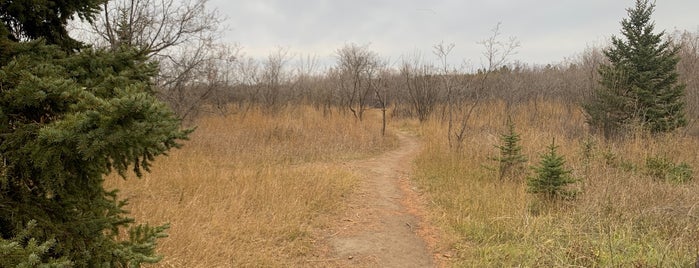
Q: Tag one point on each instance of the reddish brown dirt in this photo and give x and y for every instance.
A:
(384, 225)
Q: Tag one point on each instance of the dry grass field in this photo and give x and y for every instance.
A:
(252, 189)
(248, 190)
(623, 216)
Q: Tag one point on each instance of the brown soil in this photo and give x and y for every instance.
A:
(384, 225)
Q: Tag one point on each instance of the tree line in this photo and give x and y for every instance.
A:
(199, 73)
(416, 86)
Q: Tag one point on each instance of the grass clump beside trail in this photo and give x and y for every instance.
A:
(250, 189)
(623, 215)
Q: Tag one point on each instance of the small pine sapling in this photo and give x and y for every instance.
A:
(551, 177)
(511, 162)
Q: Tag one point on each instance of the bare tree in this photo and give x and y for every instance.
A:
(463, 100)
(274, 78)
(180, 35)
(193, 76)
(357, 68)
(383, 97)
(316, 86)
(497, 52)
(327, 94)
(457, 108)
(306, 77)
(688, 68)
(153, 26)
(421, 85)
(249, 76)
(225, 79)
(590, 61)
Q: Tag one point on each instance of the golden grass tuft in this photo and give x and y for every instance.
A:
(623, 217)
(249, 189)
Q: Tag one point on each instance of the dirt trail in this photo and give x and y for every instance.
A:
(383, 227)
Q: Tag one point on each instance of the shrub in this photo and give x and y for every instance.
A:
(662, 168)
(551, 177)
(510, 161)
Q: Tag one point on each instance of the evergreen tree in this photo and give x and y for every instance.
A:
(34, 19)
(551, 176)
(510, 161)
(640, 85)
(67, 118)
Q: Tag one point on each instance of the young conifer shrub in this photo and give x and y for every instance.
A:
(511, 162)
(552, 177)
(662, 168)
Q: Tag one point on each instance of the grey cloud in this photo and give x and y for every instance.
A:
(549, 29)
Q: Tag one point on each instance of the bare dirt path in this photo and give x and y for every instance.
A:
(383, 226)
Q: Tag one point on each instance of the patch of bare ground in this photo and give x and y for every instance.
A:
(384, 225)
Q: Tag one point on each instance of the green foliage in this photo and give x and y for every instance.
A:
(551, 177)
(23, 250)
(662, 168)
(34, 19)
(510, 161)
(588, 153)
(588, 147)
(640, 86)
(67, 119)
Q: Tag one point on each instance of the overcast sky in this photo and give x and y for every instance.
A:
(548, 30)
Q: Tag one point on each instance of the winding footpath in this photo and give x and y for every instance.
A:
(383, 226)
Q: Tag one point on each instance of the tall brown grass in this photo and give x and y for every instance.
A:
(250, 189)
(622, 216)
